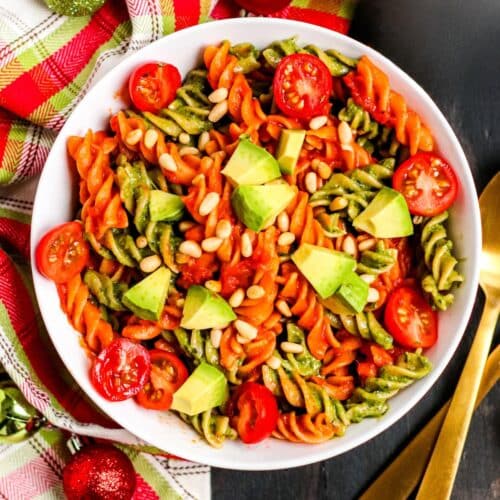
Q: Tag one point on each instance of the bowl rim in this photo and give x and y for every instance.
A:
(217, 458)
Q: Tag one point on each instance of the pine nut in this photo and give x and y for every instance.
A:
(213, 285)
(345, 133)
(185, 225)
(218, 95)
(209, 203)
(338, 203)
(283, 222)
(218, 111)
(184, 138)
(315, 163)
(324, 171)
(291, 347)
(373, 295)
(203, 140)
(189, 150)
(133, 137)
(167, 162)
(311, 182)
(223, 229)
(150, 138)
(255, 292)
(191, 248)
(273, 362)
(237, 298)
(150, 264)
(180, 302)
(286, 239)
(215, 337)
(141, 242)
(317, 122)
(368, 278)
(349, 245)
(181, 258)
(246, 245)
(211, 245)
(366, 244)
(245, 329)
(283, 308)
(418, 219)
(241, 339)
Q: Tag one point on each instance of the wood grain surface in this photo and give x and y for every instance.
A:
(452, 48)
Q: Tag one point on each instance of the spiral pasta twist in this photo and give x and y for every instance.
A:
(197, 345)
(84, 315)
(370, 89)
(107, 291)
(439, 261)
(377, 260)
(305, 428)
(212, 427)
(371, 400)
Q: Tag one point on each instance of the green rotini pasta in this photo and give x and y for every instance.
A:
(197, 345)
(108, 292)
(212, 427)
(441, 274)
(377, 260)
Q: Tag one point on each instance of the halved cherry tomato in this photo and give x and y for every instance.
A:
(152, 86)
(62, 253)
(427, 182)
(254, 412)
(410, 319)
(121, 370)
(263, 7)
(168, 373)
(302, 86)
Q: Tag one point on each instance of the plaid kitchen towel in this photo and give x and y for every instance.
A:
(47, 63)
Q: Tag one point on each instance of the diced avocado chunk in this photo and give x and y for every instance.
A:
(147, 298)
(387, 216)
(325, 269)
(289, 147)
(251, 164)
(205, 309)
(353, 293)
(204, 389)
(165, 206)
(258, 206)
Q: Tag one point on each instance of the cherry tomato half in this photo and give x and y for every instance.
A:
(152, 86)
(121, 370)
(168, 373)
(427, 182)
(302, 86)
(410, 319)
(263, 7)
(254, 412)
(62, 253)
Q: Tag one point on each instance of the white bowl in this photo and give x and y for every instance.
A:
(53, 205)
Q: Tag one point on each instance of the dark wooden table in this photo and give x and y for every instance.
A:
(452, 48)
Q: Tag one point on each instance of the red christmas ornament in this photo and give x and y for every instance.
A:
(99, 471)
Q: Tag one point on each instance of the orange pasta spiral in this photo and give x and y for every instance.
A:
(304, 428)
(370, 88)
(84, 315)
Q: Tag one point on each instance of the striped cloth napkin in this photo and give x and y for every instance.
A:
(47, 63)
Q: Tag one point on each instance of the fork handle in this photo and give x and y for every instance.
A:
(441, 471)
(401, 477)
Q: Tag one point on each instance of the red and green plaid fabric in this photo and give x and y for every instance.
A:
(47, 63)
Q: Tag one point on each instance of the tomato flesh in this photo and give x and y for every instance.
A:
(168, 373)
(428, 184)
(254, 412)
(62, 253)
(302, 86)
(153, 86)
(410, 319)
(120, 370)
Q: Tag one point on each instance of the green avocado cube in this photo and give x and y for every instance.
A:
(204, 389)
(258, 206)
(147, 298)
(289, 147)
(387, 216)
(205, 309)
(165, 206)
(325, 269)
(251, 164)
(353, 292)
